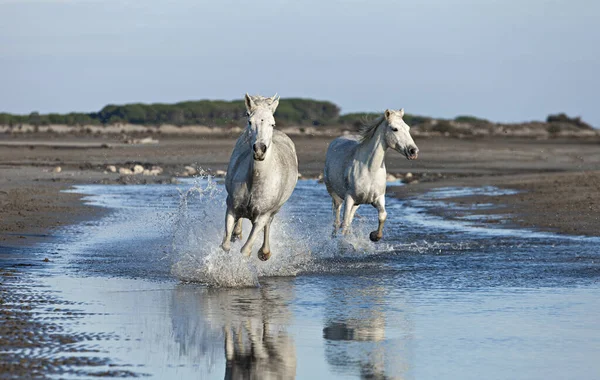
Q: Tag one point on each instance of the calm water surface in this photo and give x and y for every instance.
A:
(434, 299)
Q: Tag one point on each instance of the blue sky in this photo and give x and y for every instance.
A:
(508, 60)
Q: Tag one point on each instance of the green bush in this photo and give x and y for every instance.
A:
(470, 120)
(563, 118)
(207, 112)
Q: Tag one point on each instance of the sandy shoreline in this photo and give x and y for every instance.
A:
(559, 188)
(32, 204)
(564, 202)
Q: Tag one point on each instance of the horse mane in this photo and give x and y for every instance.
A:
(367, 130)
(243, 139)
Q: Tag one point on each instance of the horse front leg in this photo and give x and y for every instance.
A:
(379, 204)
(348, 214)
(229, 222)
(265, 251)
(257, 227)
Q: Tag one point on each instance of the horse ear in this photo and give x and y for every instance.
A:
(249, 103)
(388, 114)
(401, 112)
(274, 103)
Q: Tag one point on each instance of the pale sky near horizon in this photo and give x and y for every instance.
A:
(510, 60)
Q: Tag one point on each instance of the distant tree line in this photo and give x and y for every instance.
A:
(291, 111)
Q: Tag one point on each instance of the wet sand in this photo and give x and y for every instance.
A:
(32, 204)
(34, 331)
(559, 192)
(564, 202)
(559, 188)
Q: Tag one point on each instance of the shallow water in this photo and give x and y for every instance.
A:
(434, 299)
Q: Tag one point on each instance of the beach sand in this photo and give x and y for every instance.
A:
(557, 178)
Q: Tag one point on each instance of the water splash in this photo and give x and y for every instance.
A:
(300, 242)
(198, 228)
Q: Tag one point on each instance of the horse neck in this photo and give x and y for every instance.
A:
(372, 152)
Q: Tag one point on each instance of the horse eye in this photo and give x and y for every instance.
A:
(394, 129)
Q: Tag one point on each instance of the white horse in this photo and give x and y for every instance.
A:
(355, 167)
(262, 174)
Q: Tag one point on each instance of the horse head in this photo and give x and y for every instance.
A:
(261, 122)
(397, 134)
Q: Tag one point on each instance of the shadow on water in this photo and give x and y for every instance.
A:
(250, 323)
(357, 341)
(252, 326)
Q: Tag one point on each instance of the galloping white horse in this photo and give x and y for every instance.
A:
(262, 174)
(355, 168)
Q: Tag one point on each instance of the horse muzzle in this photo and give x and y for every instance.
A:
(260, 151)
(411, 152)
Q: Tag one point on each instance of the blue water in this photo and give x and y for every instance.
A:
(434, 299)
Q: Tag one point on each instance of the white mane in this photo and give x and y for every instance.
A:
(366, 131)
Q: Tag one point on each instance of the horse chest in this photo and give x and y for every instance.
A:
(366, 186)
(250, 201)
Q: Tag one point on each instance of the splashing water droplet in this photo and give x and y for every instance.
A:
(300, 242)
(196, 253)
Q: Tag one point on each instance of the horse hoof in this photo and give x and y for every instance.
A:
(374, 236)
(264, 256)
(224, 248)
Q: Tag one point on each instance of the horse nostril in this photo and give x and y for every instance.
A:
(259, 147)
(412, 151)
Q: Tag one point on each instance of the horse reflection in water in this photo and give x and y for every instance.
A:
(249, 323)
(356, 341)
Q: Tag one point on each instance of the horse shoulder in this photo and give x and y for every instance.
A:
(239, 168)
(286, 149)
(283, 140)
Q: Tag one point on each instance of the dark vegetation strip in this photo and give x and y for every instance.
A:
(291, 112)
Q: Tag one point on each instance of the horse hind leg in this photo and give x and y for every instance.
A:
(237, 231)
(337, 209)
(379, 204)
